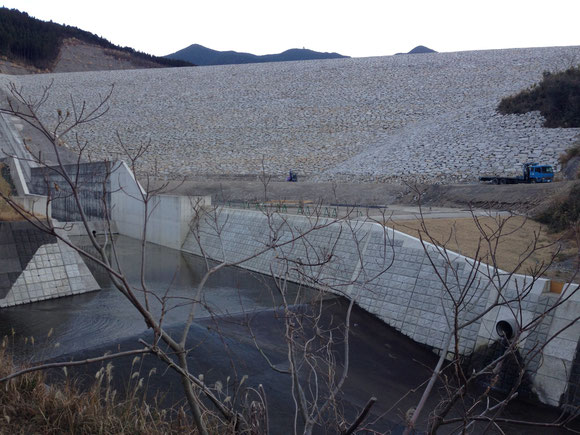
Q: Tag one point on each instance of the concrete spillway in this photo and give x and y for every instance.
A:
(407, 284)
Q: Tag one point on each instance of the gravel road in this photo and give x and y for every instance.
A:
(521, 197)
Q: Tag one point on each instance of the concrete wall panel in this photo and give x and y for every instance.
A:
(167, 216)
(37, 266)
(407, 284)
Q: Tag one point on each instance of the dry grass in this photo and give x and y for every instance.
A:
(523, 245)
(7, 213)
(29, 406)
(570, 153)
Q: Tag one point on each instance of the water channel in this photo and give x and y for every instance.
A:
(384, 363)
(93, 319)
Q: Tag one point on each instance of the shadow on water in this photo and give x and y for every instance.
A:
(508, 376)
(505, 372)
(512, 373)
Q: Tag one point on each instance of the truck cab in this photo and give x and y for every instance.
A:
(532, 173)
(535, 173)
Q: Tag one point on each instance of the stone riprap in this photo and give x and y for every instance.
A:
(429, 117)
(406, 284)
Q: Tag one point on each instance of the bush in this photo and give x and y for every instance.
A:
(557, 97)
(7, 213)
(570, 153)
(564, 214)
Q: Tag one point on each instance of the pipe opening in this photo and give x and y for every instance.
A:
(504, 328)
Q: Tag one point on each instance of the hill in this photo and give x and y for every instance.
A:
(36, 45)
(200, 55)
(420, 49)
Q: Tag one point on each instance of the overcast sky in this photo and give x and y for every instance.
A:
(355, 28)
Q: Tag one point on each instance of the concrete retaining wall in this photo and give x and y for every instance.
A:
(35, 266)
(395, 277)
(168, 216)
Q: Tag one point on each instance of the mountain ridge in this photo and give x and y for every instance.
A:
(204, 56)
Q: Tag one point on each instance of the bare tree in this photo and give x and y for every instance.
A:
(314, 255)
(316, 377)
(465, 385)
(140, 297)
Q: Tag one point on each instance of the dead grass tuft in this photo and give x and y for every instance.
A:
(28, 405)
(7, 213)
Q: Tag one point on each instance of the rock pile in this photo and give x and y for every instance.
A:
(428, 118)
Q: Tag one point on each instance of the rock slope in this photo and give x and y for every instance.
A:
(428, 118)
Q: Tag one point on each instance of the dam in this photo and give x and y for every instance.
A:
(419, 118)
(376, 119)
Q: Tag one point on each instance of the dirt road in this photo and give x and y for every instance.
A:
(521, 197)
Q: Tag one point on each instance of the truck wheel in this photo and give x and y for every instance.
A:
(502, 181)
(495, 181)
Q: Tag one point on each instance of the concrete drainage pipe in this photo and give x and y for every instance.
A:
(506, 328)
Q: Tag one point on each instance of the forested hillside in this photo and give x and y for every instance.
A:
(37, 43)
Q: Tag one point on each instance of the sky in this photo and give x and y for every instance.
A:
(357, 28)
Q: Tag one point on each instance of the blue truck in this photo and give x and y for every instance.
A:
(532, 173)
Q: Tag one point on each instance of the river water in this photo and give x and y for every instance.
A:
(383, 363)
(93, 319)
